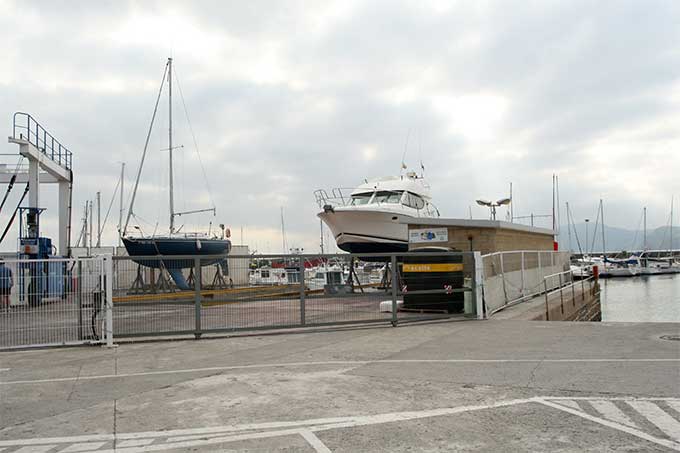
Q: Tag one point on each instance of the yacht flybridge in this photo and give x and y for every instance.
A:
(374, 217)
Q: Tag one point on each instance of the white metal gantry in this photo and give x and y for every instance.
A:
(48, 162)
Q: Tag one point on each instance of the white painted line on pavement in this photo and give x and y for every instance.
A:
(133, 443)
(675, 404)
(570, 403)
(658, 417)
(35, 449)
(198, 437)
(610, 411)
(87, 446)
(610, 424)
(314, 441)
(331, 363)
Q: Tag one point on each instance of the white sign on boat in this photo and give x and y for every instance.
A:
(428, 235)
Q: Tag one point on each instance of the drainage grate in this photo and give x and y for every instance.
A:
(670, 337)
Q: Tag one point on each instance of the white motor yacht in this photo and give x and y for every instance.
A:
(374, 217)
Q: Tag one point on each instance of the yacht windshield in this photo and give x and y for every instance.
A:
(388, 197)
(361, 198)
(414, 201)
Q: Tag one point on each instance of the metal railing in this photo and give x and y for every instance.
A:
(25, 127)
(565, 283)
(516, 276)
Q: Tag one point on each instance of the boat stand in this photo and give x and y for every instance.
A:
(138, 285)
(162, 284)
(386, 281)
(218, 280)
(353, 277)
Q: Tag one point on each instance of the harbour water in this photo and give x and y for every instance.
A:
(641, 299)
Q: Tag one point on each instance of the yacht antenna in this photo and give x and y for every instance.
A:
(403, 156)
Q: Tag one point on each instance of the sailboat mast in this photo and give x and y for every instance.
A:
(120, 214)
(644, 229)
(172, 201)
(604, 249)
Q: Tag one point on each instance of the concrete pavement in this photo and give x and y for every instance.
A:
(440, 386)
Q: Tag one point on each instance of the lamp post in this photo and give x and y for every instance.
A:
(492, 205)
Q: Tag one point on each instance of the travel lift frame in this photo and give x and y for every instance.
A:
(48, 162)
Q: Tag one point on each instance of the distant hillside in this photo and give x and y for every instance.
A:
(618, 239)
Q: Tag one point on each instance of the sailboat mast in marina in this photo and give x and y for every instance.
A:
(175, 243)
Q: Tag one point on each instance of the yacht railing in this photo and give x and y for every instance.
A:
(339, 196)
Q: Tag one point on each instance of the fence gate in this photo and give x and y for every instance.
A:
(48, 302)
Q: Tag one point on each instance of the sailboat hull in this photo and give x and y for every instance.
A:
(168, 247)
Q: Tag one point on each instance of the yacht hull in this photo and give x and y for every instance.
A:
(368, 231)
(168, 248)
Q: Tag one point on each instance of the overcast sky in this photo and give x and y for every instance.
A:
(287, 97)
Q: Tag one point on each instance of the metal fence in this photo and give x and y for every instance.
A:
(512, 277)
(52, 301)
(200, 295)
(96, 299)
(564, 284)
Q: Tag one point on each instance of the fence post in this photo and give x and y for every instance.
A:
(561, 295)
(301, 269)
(478, 285)
(547, 307)
(505, 291)
(108, 280)
(393, 264)
(79, 296)
(198, 281)
(583, 287)
(573, 291)
(522, 274)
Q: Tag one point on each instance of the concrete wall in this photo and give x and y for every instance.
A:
(580, 303)
(487, 236)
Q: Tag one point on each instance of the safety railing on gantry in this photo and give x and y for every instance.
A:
(25, 127)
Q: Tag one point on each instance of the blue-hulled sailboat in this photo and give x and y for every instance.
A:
(174, 244)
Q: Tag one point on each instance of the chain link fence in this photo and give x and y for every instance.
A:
(51, 302)
(201, 295)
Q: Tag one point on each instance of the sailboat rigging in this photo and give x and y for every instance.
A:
(175, 243)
